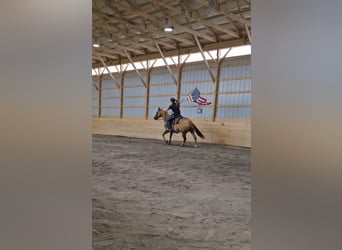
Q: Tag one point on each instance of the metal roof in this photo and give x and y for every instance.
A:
(132, 30)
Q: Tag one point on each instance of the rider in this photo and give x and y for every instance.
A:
(176, 112)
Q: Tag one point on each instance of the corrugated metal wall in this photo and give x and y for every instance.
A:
(110, 98)
(134, 94)
(233, 100)
(162, 88)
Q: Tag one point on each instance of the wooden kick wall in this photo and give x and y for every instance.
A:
(235, 132)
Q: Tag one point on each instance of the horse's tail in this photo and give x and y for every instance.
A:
(198, 132)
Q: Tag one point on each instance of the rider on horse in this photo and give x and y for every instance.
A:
(176, 113)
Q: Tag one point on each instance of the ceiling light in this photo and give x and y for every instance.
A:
(168, 28)
(96, 45)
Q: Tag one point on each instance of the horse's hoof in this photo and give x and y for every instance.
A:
(195, 146)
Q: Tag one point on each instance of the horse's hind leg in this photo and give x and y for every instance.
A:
(195, 138)
(184, 138)
(169, 142)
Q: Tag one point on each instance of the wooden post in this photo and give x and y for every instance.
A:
(179, 77)
(100, 96)
(216, 86)
(147, 102)
(122, 77)
(217, 81)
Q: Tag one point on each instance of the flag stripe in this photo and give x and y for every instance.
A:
(195, 96)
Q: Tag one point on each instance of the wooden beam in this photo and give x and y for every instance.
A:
(141, 44)
(227, 13)
(171, 58)
(186, 51)
(94, 84)
(132, 10)
(110, 73)
(248, 33)
(177, 37)
(166, 64)
(133, 29)
(117, 45)
(175, 10)
(225, 54)
(153, 40)
(108, 19)
(109, 52)
(122, 72)
(148, 81)
(179, 76)
(186, 29)
(107, 55)
(204, 59)
(216, 87)
(236, 17)
(135, 68)
(117, 15)
(186, 58)
(217, 82)
(195, 16)
(156, 22)
(122, 78)
(193, 32)
(246, 26)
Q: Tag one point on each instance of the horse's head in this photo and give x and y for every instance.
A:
(158, 114)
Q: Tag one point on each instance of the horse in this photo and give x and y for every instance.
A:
(183, 125)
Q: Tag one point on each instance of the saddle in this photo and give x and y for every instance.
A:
(176, 120)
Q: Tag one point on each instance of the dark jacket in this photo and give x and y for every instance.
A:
(175, 109)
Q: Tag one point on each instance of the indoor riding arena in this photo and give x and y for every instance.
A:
(149, 194)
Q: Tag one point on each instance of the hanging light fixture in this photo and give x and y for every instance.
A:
(167, 27)
(96, 44)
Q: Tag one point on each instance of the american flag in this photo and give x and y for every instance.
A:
(195, 96)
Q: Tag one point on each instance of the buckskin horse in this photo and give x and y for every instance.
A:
(179, 125)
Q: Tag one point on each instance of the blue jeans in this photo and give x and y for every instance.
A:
(169, 121)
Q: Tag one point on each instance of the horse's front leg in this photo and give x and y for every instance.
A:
(164, 133)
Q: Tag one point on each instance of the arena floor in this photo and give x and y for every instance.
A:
(153, 196)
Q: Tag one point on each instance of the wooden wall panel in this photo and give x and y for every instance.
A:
(235, 132)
